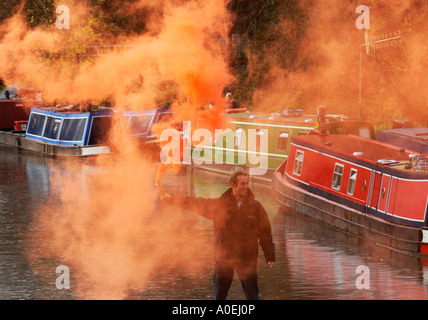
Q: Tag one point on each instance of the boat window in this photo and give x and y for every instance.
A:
(282, 141)
(238, 137)
(73, 129)
(52, 128)
(36, 124)
(99, 130)
(365, 133)
(139, 123)
(298, 162)
(224, 138)
(125, 121)
(165, 117)
(259, 137)
(352, 181)
(337, 176)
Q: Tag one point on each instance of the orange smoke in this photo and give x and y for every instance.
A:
(187, 50)
(106, 225)
(104, 219)
(326, 68)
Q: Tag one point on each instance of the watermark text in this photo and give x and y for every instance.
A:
(363, 21)
(63, 20)
(63, 280)
(225, 147)
(363, 279)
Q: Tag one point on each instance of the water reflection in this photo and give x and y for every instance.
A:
(322, 264)
(313, 261)
(17, 201)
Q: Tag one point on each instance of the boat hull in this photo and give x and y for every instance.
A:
(18, 140)
(69, 133)
(405, 239)
(265, 176)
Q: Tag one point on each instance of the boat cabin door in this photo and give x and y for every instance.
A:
(379, 191)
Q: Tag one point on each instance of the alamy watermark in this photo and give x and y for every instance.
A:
(363, 278)
(226, 146)
(362, 281)
(363, 21)
(63, 280)
(63, 20)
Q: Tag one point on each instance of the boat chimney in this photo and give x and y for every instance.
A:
(321, 111)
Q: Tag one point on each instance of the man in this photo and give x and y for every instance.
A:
(230, 102)
(240, 224)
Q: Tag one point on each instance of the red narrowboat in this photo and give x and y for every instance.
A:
(15, 105)
(364, 187)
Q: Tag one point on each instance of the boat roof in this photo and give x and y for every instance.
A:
(355, 147)
(411, 132)
(309, 120)
(291, 116)
(420, 134)
(64, 112)
(19, 93)
(71, 109)
(410, 138)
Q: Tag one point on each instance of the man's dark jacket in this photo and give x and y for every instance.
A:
(237, 232)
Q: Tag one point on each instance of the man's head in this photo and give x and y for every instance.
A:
(239, 182)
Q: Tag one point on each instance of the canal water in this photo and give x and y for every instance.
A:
(313, 261)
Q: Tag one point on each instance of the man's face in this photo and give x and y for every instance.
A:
(241, 187)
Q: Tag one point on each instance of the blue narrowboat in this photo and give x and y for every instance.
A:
(69, 128)
(72, 132)
(139, 124)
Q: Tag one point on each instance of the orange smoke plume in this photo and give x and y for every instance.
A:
(326, 66)
(104, 219)
(187, 50)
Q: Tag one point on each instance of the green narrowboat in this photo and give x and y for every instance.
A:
(259, 142)
(253, 141)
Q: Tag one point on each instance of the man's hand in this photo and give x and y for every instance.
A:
(270, 264)
(165, 197)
